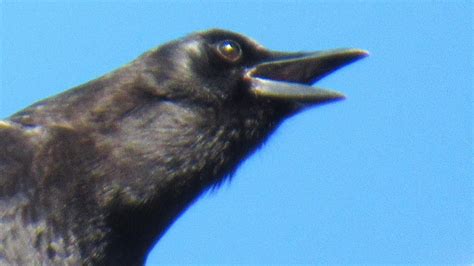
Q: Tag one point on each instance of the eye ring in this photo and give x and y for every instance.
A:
(229, 50)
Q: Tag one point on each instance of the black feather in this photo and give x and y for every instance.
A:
(96, 175)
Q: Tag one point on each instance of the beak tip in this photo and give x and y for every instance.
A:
(365, 53)
(338, 96)
(359, 53)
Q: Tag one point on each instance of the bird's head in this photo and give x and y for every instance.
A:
(227, 70)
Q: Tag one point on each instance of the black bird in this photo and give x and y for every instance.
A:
(95, 175)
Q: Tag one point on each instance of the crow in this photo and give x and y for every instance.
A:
(96, 174)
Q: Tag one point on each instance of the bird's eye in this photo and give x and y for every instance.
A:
(229, 50)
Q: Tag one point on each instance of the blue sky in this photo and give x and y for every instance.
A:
(385, 176)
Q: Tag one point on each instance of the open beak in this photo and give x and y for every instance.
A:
(288, 76)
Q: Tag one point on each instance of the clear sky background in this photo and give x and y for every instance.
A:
(385, 176)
